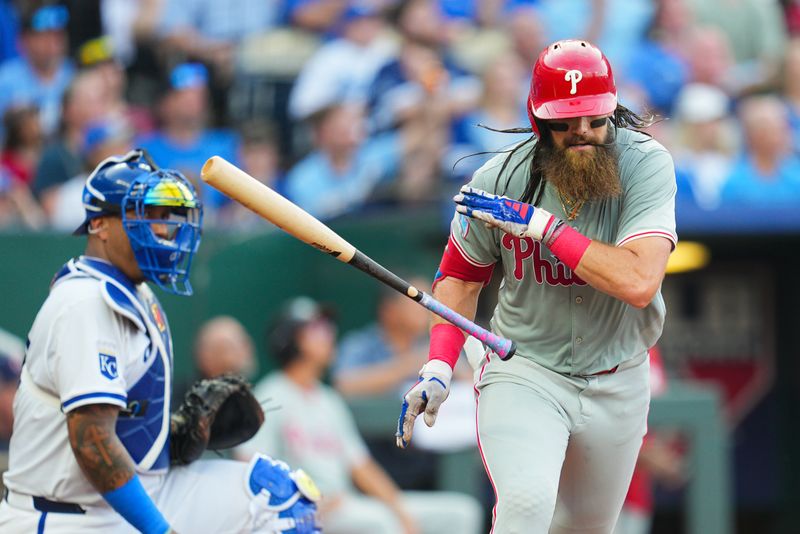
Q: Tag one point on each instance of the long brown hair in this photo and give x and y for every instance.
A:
(622, 118)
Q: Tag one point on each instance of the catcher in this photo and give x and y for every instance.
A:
(94, 447)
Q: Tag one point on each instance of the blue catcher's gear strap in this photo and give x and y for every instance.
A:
(292, 495)
(132, 502)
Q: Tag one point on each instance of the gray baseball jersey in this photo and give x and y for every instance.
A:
(556, 319)
(313, 428)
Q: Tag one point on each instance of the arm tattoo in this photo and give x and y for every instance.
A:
(98, 450)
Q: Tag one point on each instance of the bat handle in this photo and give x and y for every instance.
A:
(503, 347)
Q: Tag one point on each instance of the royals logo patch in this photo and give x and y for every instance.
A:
(108, 366)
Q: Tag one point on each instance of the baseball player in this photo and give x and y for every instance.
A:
(580, 219)
(94, 447)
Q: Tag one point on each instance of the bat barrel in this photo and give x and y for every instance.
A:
(259, 198)
(281, 212)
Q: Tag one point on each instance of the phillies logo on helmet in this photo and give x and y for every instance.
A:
(573, 76)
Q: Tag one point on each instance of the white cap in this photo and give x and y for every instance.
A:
(699, 102)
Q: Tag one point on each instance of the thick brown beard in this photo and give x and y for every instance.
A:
(590, 175)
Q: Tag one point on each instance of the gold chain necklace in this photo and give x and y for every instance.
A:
(571, 207)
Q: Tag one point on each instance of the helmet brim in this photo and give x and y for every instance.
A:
(579, 106)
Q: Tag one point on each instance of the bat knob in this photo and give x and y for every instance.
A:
(511, 350)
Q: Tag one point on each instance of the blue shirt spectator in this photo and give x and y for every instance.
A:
(363, 347)
(19, 84)
(748, 185)
(190, 157)
(384, 356)
(183, 142)
(228, 21)
(42, 73)
(210, 31)
(368, 348)
(459, 9)
(705, 142)
(343, 69)
(768, 172)
(660, 73)
(325, 192)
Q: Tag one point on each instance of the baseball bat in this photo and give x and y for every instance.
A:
(240, 186)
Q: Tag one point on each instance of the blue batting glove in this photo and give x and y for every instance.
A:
(509, 215)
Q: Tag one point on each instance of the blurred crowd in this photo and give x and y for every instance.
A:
(351, 105)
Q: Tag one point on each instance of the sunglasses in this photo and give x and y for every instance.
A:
(563, 126)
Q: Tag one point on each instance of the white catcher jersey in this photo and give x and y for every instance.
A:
(97, 339)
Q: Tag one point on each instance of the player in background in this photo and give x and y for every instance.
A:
(93, 445)
(315, 428)
(580, 218)
(221, 346)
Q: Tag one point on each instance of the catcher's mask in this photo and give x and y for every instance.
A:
(133, 188)
(571, 78)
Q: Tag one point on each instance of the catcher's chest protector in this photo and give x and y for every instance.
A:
(143, 428)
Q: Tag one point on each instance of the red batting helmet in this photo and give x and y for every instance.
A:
(571, 78)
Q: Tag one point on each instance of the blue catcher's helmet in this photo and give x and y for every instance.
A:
(130, 187)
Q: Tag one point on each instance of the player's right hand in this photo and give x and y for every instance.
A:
(427, 396)
(511, 216)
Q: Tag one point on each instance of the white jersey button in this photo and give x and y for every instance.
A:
(578, 340)
(578, 300)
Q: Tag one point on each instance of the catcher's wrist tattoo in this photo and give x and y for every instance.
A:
(100, 454)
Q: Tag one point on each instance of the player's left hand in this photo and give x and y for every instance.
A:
(427, 395)
(509, 215)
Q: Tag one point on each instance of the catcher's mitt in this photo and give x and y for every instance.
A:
(217, 413)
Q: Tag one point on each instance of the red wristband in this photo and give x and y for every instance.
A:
(568, 245)
(447, 341)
